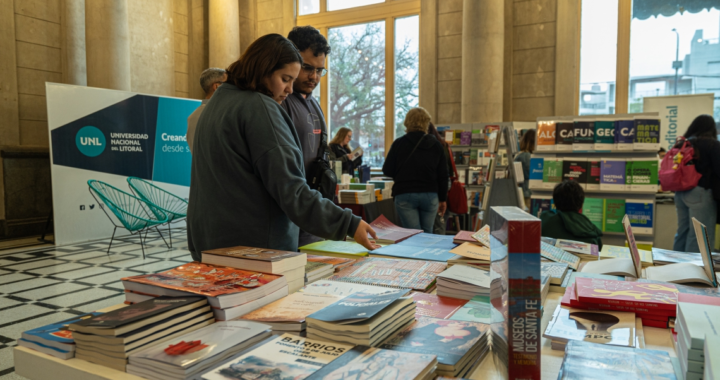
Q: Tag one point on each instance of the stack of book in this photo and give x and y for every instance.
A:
(553, 253)
(337, 263)
(712, 352)
(315, 270)
(291, 265)
(344, 249)
(556, 272)
(54, 339)
(571, 276)
(363, 362)
(389, 233)
(472, 254)
(544, 288)
(231, 292)
(192, 353)
(695, 322)
(284, 357)
(399, 274)
(463, 282)
(362, 318)
(615, 328)
(478, 309)
(108, 339)
(459, 346)
(289, 313)
(465, 237)
(592, 361)
(359, 197)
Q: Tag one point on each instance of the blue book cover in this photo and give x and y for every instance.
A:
(640, 213)
(536, 172)
(56, 332)
(625, 134)
(612, 175)
(413, 252)
(357, 307)
(426, 240)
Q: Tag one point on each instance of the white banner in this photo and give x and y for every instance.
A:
(677, 112)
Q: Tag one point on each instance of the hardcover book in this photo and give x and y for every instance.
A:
(478, 309)
(365, 363)
(400, 251)
(552, 172)
(575, 169)
(583, 135)
(292, 309)
(593, 209)
(591, 361)
(536, 173)
(612, 174)
(545, 136)
(647, 134)
(640, 213)
(604, 135)
(644, 174)
(593, 177)
(400, 274)
(624, 134)
(285, 357)
(431, 305)
(615, 328)
(564, 136)
(613, 212)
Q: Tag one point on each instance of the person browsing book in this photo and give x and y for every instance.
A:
(527, 145)
(247, 184)
(416, 163)
(340, 146)
(566, 221)
(700, 202)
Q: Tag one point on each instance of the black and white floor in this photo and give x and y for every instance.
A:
(42, 286)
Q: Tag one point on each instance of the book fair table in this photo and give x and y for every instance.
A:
(38, 366)
(371, 211)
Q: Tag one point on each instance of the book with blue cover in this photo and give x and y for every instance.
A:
(612, 174)
(357, 307)
(536, 173)
(56, 334)
(624, 134)
(426, 240)
(641, 216)
(413, 252)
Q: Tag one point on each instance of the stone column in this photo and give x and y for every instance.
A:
(224, 31)
(107, 41)
(74, 25)
(482, 60)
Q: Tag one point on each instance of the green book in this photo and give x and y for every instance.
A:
(593, 209)
(552, 172)
(644, 174)
(344, 249)
(473, 157)
(628, 173)
(613, 213)
(478, 309)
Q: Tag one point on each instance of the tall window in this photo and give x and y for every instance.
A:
(598, 55)
(407, 44)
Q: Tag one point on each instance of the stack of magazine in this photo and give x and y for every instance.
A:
(463, 282)
(592, 361)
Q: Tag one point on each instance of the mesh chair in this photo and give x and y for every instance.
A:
(126, 211)
(174, 206)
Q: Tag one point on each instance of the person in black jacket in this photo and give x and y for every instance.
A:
(416, 163)
(700, 202)
(340, 147)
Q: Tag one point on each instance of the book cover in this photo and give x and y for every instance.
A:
(616, 252)
(336, 247)
(293, 308)
(536, 173)
(552, 172)
(559, 255)
(404, 274)
(591, 361)
(482, 236)
(564, 136)
(628, 173)
(312, 266)
(136, 312)
(545, 136)
(478, 309)
(593, 177)
(575, 169)
(205, 279)
(285, 357)
(473, 157)
(475, 175)
(647, 134)
(613, 212)
(624, 134)
(472, 251)
(368, 363)
(539, 204)
(626, 293)
(583, 136)
(431, 305)
(465, 137)
(334, 261)
(464, 237)
(413, 252)
(356, 307)
(449, 340)
(449, 136)
(426, 240)
(250, 253)
(615, 328)
(56, 332)
(477, 137)
(604, 135)
(556, 271)
(457, 137)
(593, 208)
(612, 174)
(640, 213)
(342, 289)
(644, 175)
(387, 231)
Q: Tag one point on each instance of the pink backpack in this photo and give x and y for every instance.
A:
(677, 169)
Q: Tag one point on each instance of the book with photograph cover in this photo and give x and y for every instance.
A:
(616, 328)
(392, 273)
(592, 361)
(366, 363)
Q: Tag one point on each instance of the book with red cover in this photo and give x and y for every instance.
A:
(570, 300)
(698, 299)
(400, 274)
(431, 305)
(465, 237)
(389, 233)
(627, 293)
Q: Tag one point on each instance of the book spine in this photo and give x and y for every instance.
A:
(651, 306)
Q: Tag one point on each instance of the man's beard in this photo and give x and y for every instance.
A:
(304, 89)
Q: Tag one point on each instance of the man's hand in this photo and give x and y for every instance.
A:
(361, 236)
(442, 206)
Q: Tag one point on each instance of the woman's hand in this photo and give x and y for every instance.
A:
(350, 157)
(361, 236)
(442, 207)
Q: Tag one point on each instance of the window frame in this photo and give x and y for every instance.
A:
(388, 11)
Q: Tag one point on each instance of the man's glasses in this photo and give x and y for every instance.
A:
(311, 69)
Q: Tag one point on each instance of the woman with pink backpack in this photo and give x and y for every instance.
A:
(698, 201)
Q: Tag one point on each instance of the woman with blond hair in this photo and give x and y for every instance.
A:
(340, 146)
(417, 164)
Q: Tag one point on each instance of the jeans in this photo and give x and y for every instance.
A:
(697, 203)
(417, 210)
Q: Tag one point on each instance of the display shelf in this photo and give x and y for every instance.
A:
(629, 192)
(613, 152)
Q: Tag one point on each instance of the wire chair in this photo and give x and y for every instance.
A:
(130, 212)
(174, 206)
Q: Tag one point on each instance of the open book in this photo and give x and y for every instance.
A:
(631, 267)
(357, 152)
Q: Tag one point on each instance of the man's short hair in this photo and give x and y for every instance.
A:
(307, 37)
(209, 77)
(568, 196)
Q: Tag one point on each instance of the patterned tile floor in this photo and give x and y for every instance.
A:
(42, 286)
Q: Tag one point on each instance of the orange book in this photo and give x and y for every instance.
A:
(337, 262)
(546, 135)
(289, 313)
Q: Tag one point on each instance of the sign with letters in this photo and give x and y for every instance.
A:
(677, 112)
(110, 135)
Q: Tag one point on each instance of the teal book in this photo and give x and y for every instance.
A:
(604, 135)
(593, 209)
(478, 309)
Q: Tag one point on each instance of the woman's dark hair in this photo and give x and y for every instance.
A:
(263, 57)
(702, 126)
(527, 141)
(568, 196)
(434, 132)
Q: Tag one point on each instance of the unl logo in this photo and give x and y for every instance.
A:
(90, 141)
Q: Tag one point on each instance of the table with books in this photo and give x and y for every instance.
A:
(371, 211)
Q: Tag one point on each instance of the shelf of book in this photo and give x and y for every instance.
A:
(599, 191)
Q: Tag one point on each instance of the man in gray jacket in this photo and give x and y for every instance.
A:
(210, 80)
